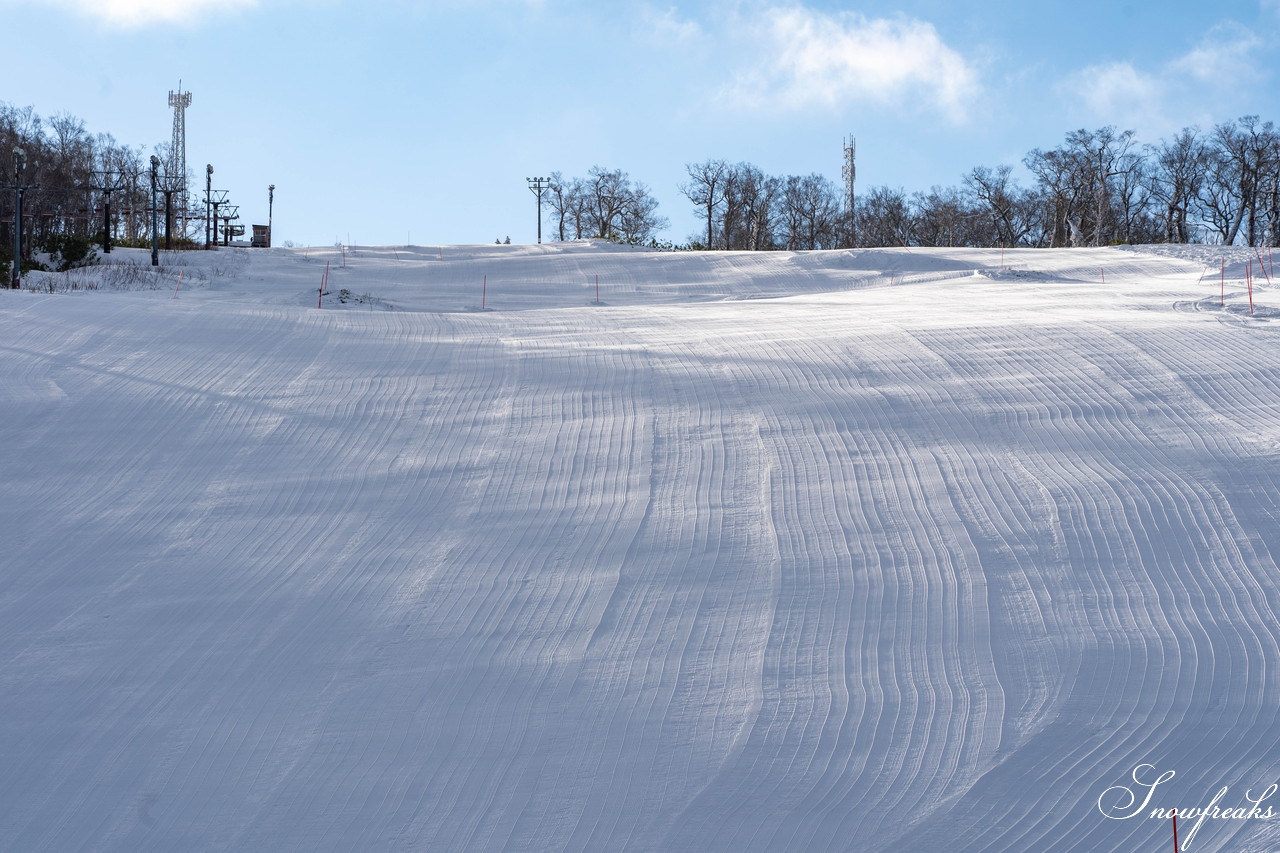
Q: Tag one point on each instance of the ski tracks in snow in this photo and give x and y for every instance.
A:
(876, 567)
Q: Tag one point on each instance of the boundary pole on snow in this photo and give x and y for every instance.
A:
(1174, 812)
(1203, 274)
(597, 290)
(484, 292)
(1261, 264)
(1104, 274)
(1248, 276)
(176, 286)
(1222, 293)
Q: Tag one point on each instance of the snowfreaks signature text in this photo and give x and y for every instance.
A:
(1121, 802)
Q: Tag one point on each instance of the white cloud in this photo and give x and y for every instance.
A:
(809, 59)
(1225, 63)
(1116, 91)
(668, 28)
(1224, 55)
(139, 13)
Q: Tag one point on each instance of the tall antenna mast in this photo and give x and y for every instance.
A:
(177, 171)
(850, 177)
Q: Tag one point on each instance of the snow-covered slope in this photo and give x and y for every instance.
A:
(873, 551)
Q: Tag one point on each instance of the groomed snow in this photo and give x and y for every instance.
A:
(876, 550)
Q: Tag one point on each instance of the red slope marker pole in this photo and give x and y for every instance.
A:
(1248, 274)
(1222, 295)
(176, 286)
(1174, 812)
(597, 290)
(484, 292)
(1104, 275)
(1203, 274)
(1261, 264)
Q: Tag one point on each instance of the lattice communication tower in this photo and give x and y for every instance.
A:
(850, 177)
(177, 166)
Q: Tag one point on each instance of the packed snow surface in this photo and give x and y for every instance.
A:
(876, 550)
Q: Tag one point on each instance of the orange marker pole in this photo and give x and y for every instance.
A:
(1248, 275)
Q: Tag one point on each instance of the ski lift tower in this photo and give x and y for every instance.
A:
(176, 174)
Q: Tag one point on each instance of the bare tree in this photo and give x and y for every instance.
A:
(1220, 206)
(943, 217)
(1111, 157)
(639, 222)
(884, 217)
(706, 188)
(1175, 179)
(1008, 209)
(1273, 213)
(755, 204)
(1058, 176)
(1077, 181)
(811, 212)
(564, 198)
(605, 204)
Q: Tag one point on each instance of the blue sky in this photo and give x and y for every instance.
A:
(386, 121)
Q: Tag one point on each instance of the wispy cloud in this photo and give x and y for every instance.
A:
(1174, 92)
(805, 59)
(1226, 53)
(667, 27)
(1116, 92)
(140, 13)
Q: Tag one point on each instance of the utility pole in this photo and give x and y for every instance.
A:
(19, 191)
(106, 186)
(168, 192)
(233, 212)
(537, 186)
(216, 198)
(208, 201)
(271, 200)
(155, 235)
